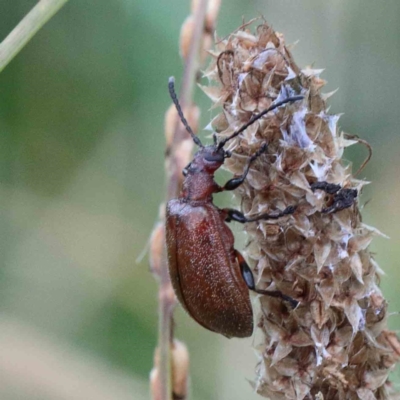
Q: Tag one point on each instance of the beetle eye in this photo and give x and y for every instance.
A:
(216, 157)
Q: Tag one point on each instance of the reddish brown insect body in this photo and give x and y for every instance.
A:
(203, 264)
(210, 278)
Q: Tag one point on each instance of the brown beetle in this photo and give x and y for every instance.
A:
(210, 278)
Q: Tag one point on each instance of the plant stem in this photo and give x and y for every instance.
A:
(192, 62)
(27, 28)
(186, 92)
(165, 306)
(165, 333)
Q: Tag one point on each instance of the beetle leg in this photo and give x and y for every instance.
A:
(234, 183)
(249, 280)
(231, 214)
(329, 188)
(343, 198)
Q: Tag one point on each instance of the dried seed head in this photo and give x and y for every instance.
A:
(155, 383)
(188, 27)
(212, 14)
(213, 7)
(180, 369)
(179, 372)
(157, 241)
(186, 35)
(208, 41)
(335, 344)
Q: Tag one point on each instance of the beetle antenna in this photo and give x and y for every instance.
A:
(171, 88)
(258, 116)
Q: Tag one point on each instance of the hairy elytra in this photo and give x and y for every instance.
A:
(210, 277)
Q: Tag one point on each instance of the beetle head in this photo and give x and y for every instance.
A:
(207, 159)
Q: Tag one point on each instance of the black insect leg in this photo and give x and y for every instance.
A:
(329, 188)
(249, 280)
(343, 198)
(234, 183)
(235, 215)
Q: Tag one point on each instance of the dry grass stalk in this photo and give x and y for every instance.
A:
(169, 377)
(335, 344)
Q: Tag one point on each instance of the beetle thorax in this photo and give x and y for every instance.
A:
(199, 186)
(199, 181)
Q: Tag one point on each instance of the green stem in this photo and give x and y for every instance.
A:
(27, 28)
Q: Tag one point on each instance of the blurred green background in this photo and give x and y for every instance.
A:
(82, 176)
